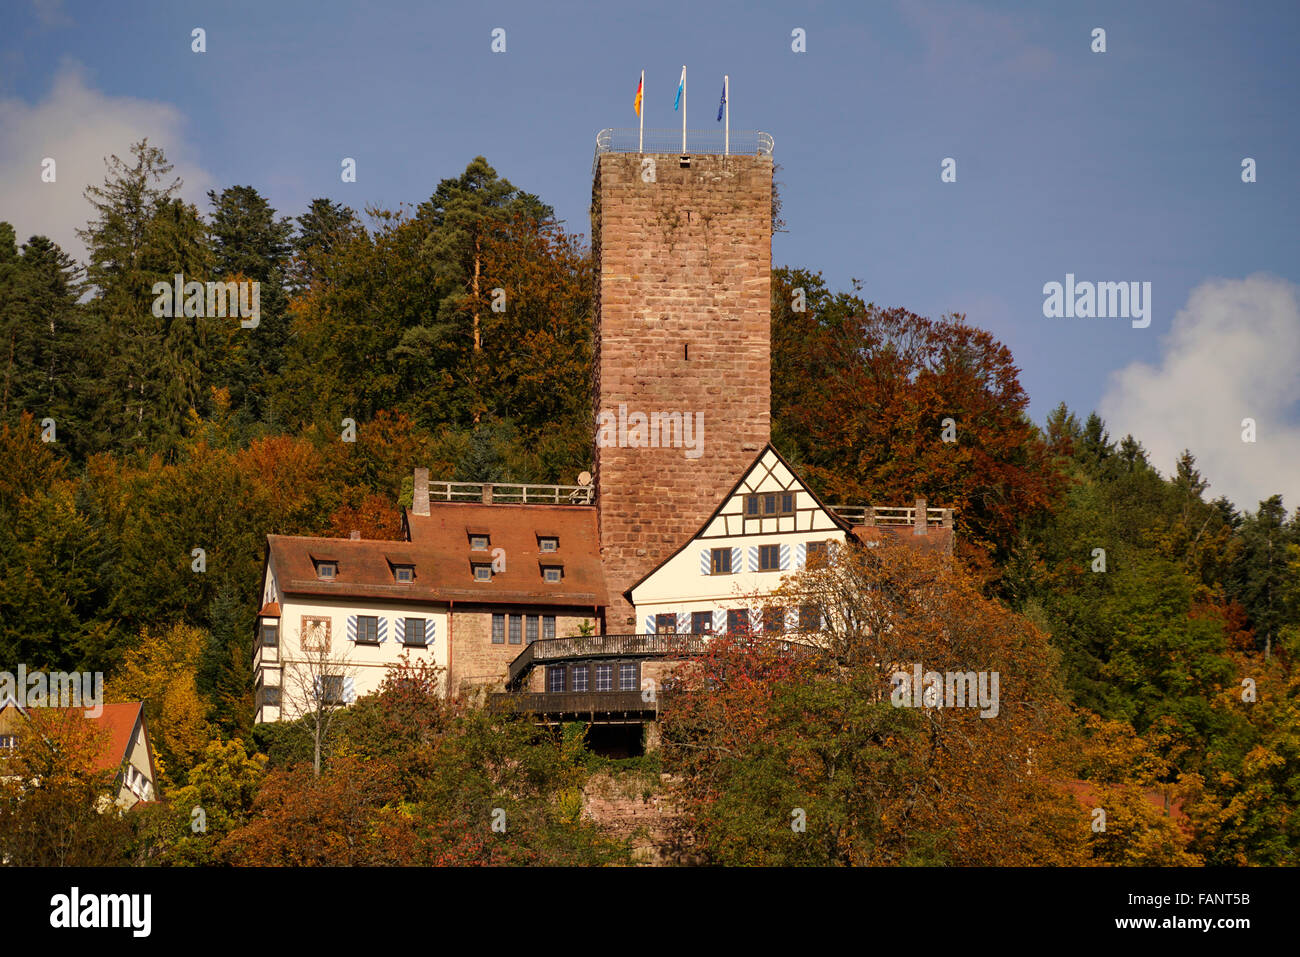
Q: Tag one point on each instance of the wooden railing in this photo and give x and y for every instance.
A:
(577, 703)
(602, 646)
(889, 515)
(511, 493)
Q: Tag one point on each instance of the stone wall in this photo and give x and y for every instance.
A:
(683, 325)
(477, 663)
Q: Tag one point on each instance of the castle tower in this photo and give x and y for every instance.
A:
(683, 254)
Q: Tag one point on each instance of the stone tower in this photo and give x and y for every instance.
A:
(683, 256)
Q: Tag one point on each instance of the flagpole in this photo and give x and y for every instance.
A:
(726, 112)
(683, 110)
(640, 143)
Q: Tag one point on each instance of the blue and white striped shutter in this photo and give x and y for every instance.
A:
(755, 621)
(649, 624)
(350, 689)
(753, 558)
(399, 631)
(430, 629)
(683, 622)
(706, 561)
(792, 619)
(785, 558)
(735, 560)
(719, 621)
(800, 555)
(352, 629)
(383, 630)
(316, 683)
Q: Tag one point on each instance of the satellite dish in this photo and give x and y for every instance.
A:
(584, 478)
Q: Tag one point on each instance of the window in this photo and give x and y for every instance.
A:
(327, 570)
(552, 573)
(516, 629)
(479, 542)
(548, 627)
(604, 677)
(498, 629)
(8, 741)
(769, 504)
(482, 573)
(817, 554)
(530, 629)
(773, 620)
(271, 696)
(722, 561)
(415, 633)
(331, 689)
(737, 620)
(367, 630)
(555, 679)
(627, 676)
(548, 543)
(666, 624)
(579, 675)
(270, 634)
(701, 623)
(769, 558)
(810, 618)
(404, 573)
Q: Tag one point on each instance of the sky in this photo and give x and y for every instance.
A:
(1117, 166)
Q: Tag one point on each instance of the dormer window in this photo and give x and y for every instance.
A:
(404, 573)
(482, 572)
(327, 571)
(552, 573)
(548, 543)
(479, 542)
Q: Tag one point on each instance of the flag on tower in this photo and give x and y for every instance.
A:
(722, 104)
(636, 104)
(681, 88)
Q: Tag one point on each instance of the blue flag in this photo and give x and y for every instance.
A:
(681, 84)
(723, 102)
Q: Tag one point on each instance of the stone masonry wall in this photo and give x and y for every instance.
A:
(477, 663)
(683, 325)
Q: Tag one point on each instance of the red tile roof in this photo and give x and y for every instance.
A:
(936, 538)
(120, 720)
(440, 552)
(515, 528)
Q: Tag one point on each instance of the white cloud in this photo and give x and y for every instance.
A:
(1232, 353)
(79, 126)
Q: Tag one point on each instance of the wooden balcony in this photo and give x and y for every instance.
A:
(607, 707)
(602, 646)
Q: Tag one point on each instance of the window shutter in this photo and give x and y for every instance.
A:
(683, 622)
(649, 624)
(755, 621)
(753, 558)
(352, 633)
(430, 629)
(399, 631)
(706, 561)
(383, 630)
(785, 558)
(735, 560)
(801, 555)
(792, 619)
(719, 621)
(350, 688)
(318, 691)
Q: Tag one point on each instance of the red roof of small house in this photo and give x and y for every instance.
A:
(515, 529)
(270, 610)
(933, 538)
(120, 720)
(1087, 795)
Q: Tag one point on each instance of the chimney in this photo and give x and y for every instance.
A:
(355, 535)
(920, 528)
(420, 493)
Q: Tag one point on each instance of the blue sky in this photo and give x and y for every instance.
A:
(1115, 166)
